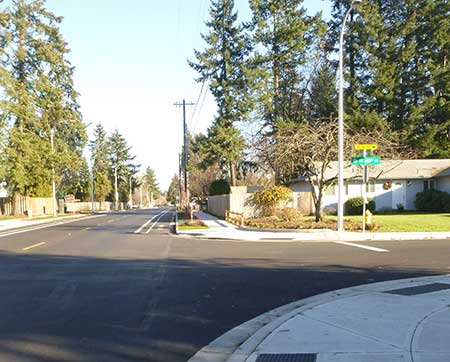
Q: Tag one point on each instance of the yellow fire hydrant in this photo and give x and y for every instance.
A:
(368, 219)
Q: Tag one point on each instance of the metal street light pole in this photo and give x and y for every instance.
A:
(55, 204)
(92, 188)
(341, 121)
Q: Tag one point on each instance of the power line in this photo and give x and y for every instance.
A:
(186, 145)
(205, 93)
(196, 103)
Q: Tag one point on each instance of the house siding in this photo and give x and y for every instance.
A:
(414, 187)
(443, 184)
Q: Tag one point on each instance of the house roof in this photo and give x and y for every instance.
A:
(394, 169)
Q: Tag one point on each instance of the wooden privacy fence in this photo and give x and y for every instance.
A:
(234, 217)
(25, 205)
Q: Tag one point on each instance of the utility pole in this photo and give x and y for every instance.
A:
(186, 151)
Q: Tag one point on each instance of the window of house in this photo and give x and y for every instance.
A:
(429, 184)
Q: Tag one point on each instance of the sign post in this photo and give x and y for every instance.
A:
(365, 159)
(364, 185)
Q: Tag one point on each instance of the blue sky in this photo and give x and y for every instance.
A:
(131, 66)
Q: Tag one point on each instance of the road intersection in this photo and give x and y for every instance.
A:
(96, 290)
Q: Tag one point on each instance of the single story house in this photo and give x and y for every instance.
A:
(393, 184)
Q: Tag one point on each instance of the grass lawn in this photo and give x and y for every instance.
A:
(407, 221)
(6, 217)
(191, 227)
(34, 218)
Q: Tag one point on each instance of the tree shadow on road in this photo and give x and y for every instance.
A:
(73, 308)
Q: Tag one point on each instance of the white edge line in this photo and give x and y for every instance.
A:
(362, 246)
(145, 224)
(49, 226)
(153, 225)
(33, 246)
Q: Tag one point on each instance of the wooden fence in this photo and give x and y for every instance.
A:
(25, 205)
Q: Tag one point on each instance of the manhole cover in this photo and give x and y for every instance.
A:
(295, 357)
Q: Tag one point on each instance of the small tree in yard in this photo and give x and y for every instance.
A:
(307, 149)
(268, 199)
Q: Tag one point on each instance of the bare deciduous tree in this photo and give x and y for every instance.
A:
(306, 150)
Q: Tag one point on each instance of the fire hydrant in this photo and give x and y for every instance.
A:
(368, 219)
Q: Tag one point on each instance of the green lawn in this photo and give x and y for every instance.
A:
(191, 227)
(6, 217)
(408, 221)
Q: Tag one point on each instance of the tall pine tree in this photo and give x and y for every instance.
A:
(222, 64)
(100, 163)
(37, 97)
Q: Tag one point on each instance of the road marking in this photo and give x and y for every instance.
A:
(153, 225)
(48, 226)
(33, 246)
(362, 246)
(145, 224)
(89, 228)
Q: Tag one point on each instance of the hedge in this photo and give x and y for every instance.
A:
(433, 200)
(354, 206)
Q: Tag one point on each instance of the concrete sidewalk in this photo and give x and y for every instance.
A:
(397, 321)
(219, 229)
(11, 224)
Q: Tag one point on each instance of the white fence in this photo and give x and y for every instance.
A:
(80, 207)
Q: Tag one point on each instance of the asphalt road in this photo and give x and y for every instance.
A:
(109, 289)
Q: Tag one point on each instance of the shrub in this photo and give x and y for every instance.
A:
(354, 206)
(433, 200)
(267, 200)
(219, 187)
(289, 214)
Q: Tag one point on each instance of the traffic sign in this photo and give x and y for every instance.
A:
(366, 161)
(366, 147)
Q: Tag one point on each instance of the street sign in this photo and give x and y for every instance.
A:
(366, 147)
(366, 161)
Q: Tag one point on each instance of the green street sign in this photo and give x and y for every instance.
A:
(366, 161)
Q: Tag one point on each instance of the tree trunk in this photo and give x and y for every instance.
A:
(318, 206)
(233, 177)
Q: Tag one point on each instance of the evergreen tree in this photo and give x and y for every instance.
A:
(100, 163)
(173, 191)
(121, 162)
(283, 37)
(152, 183)
(222, 64)
(38, 98)
(322, 99)
(398, 70)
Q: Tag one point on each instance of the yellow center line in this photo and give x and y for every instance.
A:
(33, 246)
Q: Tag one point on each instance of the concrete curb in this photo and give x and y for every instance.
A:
(322, 236)
(240, 342)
